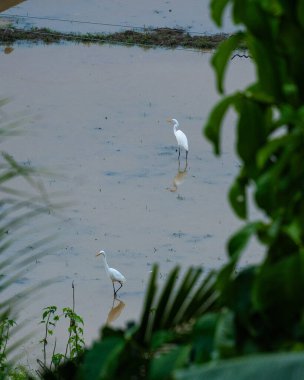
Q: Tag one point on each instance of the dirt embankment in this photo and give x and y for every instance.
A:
(160, 37)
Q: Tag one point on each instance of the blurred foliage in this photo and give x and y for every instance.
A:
(23, 200)
(266, 299)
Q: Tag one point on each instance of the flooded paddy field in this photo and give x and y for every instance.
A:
(96, 117)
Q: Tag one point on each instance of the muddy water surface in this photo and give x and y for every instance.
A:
(97, 116)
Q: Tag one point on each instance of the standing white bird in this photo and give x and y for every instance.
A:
(114, 274)
(181, 138)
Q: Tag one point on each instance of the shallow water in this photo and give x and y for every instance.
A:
(97, 116)
(114, 15)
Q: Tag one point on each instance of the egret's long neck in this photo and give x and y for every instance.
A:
(175, 126)
(105, 264)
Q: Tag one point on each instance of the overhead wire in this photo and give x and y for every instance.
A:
(134, 27)
(91, 39)
(82, 37)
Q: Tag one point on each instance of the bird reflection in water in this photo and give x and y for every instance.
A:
(8, 50)
(115, 311)
(179, 178)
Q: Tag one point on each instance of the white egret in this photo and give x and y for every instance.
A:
(114, 274)
(181, 138)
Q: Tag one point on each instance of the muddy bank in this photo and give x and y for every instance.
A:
(161, 37)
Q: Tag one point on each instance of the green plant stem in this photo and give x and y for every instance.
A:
(54, 349)
(45, 338)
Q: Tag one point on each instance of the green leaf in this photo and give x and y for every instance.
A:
(203, 337)
(222, 55)
(212, 129)
(163, 366)
(263, 367)
(265, 154)
(101, 361)
(273, 7)
(265, 190)
(251, 131)
(239, 240)
(281, 283)
(237, 296)
(224, 276)
(300, 12)
(217, 9)
(269, 66)
(294, 230)
(237, 197)
(225, 339)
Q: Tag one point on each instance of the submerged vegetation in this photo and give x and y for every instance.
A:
(160, 37)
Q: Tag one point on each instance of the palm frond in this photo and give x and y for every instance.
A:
(176, 305)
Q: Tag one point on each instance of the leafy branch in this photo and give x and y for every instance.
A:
(75, 342)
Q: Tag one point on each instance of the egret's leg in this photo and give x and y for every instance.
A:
(119, 287)
(186, 155)
(114, 289)
(178, 152)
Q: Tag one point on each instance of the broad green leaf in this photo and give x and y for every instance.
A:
(217, 9)
(280, 283)
(237, 197)
(295, 230)
(251, 131)
(269, 66)
(251, 14)
(265, 154)
(102, 360)
(273, 7)
(212, 129)
(225, 339)
(240, 239)
(266, 187)
(203, 337)
(222, 55)
(224, 276)
(237, 296)
(282, 366)
(162, 366)
(300, 12)
(161, 337)
(257, 93)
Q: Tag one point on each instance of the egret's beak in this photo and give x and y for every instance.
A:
(98, 254)
(169, 120)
